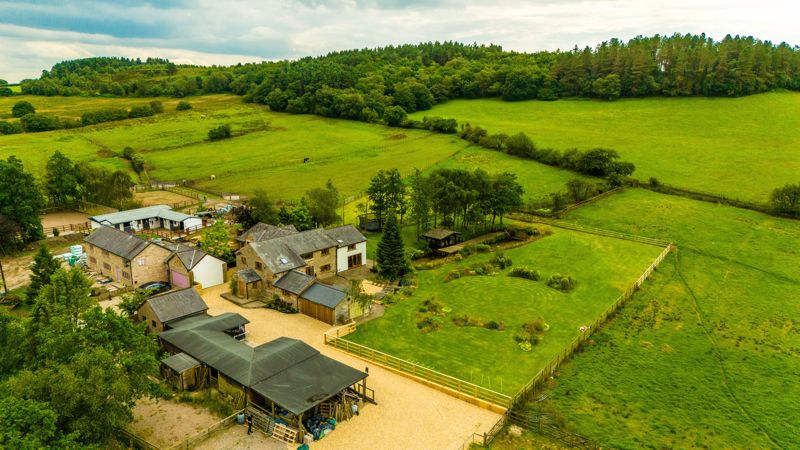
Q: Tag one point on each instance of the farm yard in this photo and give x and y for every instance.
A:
(267, 150)
(741, 147)
(603, 268)
(697, 357)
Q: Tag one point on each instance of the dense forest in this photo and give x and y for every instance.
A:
(363, 84)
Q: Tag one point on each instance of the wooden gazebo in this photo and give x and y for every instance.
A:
(441, 237)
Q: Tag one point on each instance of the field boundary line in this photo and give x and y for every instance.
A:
(586, 229)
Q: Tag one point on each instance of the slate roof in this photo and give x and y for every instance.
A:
(189, 255)
(439, 233)
(248, 275)
(346, 235)
(262, 232)
(323, 294)
(177, 304)
(308, 241)
(294, 282)
(117, 242)
(180, 362)
(160, 211)
(277, 255)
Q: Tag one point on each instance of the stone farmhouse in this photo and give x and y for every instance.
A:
(148, 218)
(125, 258)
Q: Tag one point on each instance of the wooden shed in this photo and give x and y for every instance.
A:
(181, 371)
(441, 237)
(323, 302)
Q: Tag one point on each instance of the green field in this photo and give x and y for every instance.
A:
(740, 147)
(708, 354)
(604, 268)
(267, 152)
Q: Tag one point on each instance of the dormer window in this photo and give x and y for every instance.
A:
(284, 261)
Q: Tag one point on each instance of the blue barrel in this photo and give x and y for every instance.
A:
(240, 418)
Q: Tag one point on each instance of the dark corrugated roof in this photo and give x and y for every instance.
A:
(222, 322)
(180, 362)
(117, 242)
(177, 304)
(263, 232)
(325, 295)
(346, 235)
(294, 282)
(304, 385)
(439, 233)
(248, 275)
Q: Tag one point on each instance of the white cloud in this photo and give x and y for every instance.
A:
(209, 31)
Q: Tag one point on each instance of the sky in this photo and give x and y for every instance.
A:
(34, 34)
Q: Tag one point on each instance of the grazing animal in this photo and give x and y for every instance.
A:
(213, 177)
(305, 160)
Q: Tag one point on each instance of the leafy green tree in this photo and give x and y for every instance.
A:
(133, 300)
(420, 199)
(262, 209)
(786, 200)
(62, 180)
(42, 269)
(9, 235)
(10, 127)
(20, 199)
(220, 132)
(285, 216)
(391, 256)
(301, 216)
(520, 145)
(378, 195)
(30, 424)
(157, 106)
(394, 116)
(216, 241)
(22, 108)
(505, 195)
(322, 204)
(607, 87)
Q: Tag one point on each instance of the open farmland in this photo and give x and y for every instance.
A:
(603, 267)
(707, 354)
(267, 151)
(739, 147)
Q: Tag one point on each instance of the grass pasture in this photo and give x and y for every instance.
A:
(604, 268)
(267, 151)
(706, 355)
(739, 147)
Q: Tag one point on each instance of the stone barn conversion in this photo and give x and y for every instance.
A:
(160, 311)
(125, 258)
(188, 265)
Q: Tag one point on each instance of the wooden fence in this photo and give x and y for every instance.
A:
(73, 228)
(458, 388)
(193, 441)
(172, 234)
(134, 441)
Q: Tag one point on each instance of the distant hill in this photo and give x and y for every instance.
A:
(383, 83)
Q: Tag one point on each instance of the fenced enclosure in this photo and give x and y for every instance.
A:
(137, 442)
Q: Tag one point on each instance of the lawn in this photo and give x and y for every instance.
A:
(603, 267)
(267, 151)
(739, 147)
(706, 355)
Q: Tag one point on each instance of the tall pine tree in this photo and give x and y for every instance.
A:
(391, 256)
(44, 266)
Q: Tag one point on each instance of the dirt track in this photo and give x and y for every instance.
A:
(408, 415)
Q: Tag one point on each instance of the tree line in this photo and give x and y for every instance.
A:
(362, 84)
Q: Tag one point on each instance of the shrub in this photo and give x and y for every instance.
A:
(562, 282)
(535, 326)
(183, 105)
(33, 123)
(128, 153)
(525, 346)
(492, 325)
(157, 106)
(429, 323)
(141, 111)
(22, 108)
(525, 272)
(500, 260)
(55, 232)
(10, 127)
(220, 132)
(103, 115)
(279, 305)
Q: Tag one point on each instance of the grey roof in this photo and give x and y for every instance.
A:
(117, 242)
(294, 282)
(262, 232)
(189, 255)
(323, 294)
(222, 322)
(160, 211)
(277, 255)
(180, 362)
(308, 241)
(439, 233)
(308, 383)
(346, 235)
(177, 304)
(248, 275)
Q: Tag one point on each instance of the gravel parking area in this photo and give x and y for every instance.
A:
(409, 415)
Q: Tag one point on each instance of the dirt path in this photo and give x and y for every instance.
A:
(408, 415)
(164, 423)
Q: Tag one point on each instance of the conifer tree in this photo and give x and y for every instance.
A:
(44, 266)
(391, 257)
